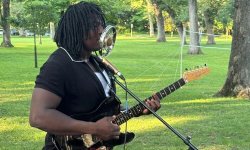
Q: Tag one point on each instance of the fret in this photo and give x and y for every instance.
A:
(171, 88)
(174, 87)
(139, 109)
(133, 111)
(163, 93)
(122, 119)
(167, 90)
(159, 95)
(127, 116)
(119, 121)
(182, 81)
(130, 114)
(179, 83)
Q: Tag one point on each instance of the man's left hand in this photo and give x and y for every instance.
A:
(153, 104)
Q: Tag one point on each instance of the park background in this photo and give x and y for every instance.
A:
(149, 65)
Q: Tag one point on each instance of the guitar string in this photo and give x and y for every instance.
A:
(163, 66)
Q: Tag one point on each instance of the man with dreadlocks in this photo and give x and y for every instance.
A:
(73, 82)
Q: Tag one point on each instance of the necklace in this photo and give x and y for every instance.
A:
(83, 60)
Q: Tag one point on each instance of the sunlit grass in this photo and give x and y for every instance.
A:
(145, 124)
(213, 123)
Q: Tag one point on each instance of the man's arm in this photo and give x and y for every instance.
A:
(43, 115)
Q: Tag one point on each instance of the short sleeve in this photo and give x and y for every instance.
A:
(51, 78)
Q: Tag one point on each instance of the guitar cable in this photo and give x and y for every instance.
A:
(126, 110)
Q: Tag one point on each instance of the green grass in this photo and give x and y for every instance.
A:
(213, 123)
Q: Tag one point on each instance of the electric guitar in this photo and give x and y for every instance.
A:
(90, 142)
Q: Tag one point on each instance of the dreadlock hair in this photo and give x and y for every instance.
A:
(75, 25)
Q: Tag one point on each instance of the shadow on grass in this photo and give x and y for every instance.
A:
(222, 126)
(21, 139)
(19, 108)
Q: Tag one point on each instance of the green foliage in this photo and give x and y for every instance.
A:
(216, 9)
(38, 14)
(17, 18)
(120, 13)
(180, 7)
(225, 14)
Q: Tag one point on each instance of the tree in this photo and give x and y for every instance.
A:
(210, 11)
(159, 20)
(225, 16)
(175, 11)
(194, 36)
(38, 15)
(5, 15)
(238, 76)
(150, 18)
(18, 19)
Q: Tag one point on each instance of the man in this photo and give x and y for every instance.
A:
(73, 82)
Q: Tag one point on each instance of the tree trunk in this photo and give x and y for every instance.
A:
(194, 36)
(209, 26)
(5, 24)
(150, 18)
(180, 30)
(177, 23)
(238, 77)
(160, 23)
(52, 30)
(151, 25)
(40, 39)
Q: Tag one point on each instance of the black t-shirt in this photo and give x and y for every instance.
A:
(77, 85)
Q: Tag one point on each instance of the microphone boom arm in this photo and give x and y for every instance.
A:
(186, 140)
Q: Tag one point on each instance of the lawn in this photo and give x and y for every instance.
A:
(213, 123)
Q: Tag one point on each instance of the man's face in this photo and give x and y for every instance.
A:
(92, 43)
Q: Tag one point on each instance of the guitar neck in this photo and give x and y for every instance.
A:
(136, 110)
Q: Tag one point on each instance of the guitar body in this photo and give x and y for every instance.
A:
(88, 141)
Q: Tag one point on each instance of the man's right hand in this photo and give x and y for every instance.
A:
(107, 130)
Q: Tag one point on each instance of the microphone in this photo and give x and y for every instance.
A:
(109, 41)
(112, 68)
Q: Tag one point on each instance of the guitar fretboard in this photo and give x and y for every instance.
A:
(136, 110)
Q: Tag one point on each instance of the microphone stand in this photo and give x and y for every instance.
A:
(186, 140)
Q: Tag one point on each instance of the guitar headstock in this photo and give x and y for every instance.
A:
(195, 73)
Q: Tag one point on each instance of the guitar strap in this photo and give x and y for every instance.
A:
(55, 142)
